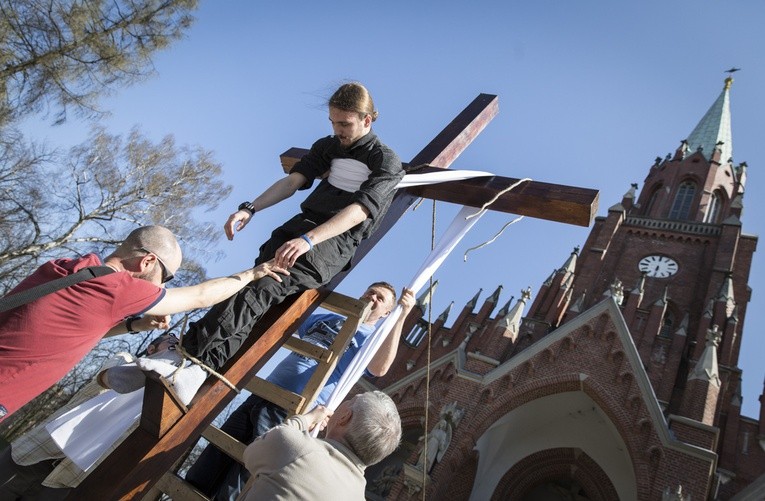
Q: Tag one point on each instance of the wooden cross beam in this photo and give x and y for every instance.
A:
(554, 202)
(143, 457)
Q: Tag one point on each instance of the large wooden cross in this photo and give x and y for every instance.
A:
(165, 434)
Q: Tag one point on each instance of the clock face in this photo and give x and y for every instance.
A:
(658, 266)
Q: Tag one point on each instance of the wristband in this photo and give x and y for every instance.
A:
(307, 239)
(129, 324)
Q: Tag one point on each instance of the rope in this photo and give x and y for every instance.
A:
(427, 360)
(496, 197)
(491, 241)
(485, 207)
(186, 355)
(204, 367)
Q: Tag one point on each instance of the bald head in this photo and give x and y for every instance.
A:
(155, 239)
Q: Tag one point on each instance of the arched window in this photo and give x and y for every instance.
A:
(681, 207)
(667, 324)
(417, 334)
(652, 202)
(713, 209)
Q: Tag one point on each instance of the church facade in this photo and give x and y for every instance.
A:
(617, 378)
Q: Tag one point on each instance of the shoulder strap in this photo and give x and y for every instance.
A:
(38, 291)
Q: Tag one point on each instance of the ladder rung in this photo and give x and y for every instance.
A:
(177, 488)
(307, 349)
(276, 394)
(225, 442)
(343, 305)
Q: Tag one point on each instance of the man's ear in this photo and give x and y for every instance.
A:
(346, 414)
(147, 261)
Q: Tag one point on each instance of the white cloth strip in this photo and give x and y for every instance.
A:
(348, 174)
(457, 229)
(86, 431)
(442, 176)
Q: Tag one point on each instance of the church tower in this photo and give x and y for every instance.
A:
(681, 243)
(622, 380)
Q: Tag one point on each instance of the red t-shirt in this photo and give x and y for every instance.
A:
(42, 340)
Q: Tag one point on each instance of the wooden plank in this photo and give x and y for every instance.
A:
(344, 305)
(276, 394)
(176, 488)
(554, 202)
(225, 442)
(307, 349)
(162, 407)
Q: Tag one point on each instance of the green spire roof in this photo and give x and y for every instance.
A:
(714, 128)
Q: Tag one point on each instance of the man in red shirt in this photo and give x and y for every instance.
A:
(42, 340)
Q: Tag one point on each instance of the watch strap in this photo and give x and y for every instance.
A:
(248, 206)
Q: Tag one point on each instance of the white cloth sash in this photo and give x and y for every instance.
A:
(86, 431)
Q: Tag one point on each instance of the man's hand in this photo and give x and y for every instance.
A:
(150, 322)
(287, 254)
(236, 222)
(319, 415)
(407, 301)
(270, 269)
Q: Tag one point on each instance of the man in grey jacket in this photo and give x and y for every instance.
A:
(287, 463)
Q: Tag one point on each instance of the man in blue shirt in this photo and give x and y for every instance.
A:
(217, 475)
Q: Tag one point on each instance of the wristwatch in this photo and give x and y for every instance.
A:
(248, 207)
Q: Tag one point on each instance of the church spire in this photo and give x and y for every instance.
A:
(706, 368)
(713, 131)
(445, 314)
(471, 304)
(426, 296)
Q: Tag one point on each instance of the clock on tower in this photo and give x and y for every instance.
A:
(658, 266)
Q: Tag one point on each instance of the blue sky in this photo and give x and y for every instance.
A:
(590, 93)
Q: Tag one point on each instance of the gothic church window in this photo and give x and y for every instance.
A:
(417, 334)
(681, 207)
(652, 202)
(713, 209)
(667, 323)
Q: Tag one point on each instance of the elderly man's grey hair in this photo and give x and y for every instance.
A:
(375, 429)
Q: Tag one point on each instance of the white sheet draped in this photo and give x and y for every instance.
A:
(86, 431)
(458, 228)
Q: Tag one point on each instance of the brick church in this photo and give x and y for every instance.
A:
(617, 378)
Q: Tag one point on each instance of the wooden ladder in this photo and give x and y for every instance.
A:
(142, 467)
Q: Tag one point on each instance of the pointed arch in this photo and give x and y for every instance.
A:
(714, 207)
(681, 207)
(653, 200)
(668, 324)
(417, 334)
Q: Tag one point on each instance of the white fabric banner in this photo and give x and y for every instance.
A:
(457, 229)
(87, 430)
(442, 176)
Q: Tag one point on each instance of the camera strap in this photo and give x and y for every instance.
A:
(20, 298)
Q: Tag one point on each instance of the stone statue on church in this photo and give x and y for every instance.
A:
(439, 438)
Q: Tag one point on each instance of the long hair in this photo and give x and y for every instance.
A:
(354, 96)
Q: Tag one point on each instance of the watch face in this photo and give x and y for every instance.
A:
(658, 266)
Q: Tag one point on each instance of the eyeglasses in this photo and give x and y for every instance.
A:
(166, 275)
